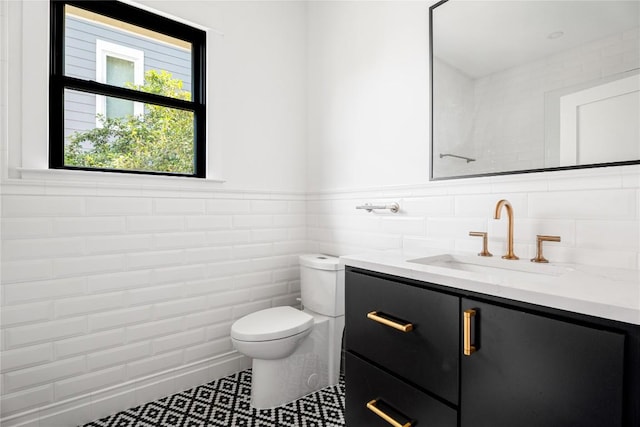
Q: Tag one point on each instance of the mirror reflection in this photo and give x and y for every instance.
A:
(531, 85)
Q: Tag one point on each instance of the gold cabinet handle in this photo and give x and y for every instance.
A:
(468, 349)
(373, 408)
(407, 327)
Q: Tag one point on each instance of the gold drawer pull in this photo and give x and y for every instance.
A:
(372, 407)
(408, 327)
(468, 348)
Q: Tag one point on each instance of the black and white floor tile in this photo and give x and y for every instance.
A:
(226, 403)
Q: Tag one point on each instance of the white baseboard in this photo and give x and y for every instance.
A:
(99, 404)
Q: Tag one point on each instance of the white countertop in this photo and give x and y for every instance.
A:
(596, 291)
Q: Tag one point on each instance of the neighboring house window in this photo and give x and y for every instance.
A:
(127, 90)
(118, 65)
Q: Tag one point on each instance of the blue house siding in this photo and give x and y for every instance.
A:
(80, 61)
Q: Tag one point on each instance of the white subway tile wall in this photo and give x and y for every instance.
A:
(596, 212)
(116, 300)
(133, 292)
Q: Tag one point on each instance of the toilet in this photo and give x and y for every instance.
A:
(296, 352)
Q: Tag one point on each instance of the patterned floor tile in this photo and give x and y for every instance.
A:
(226, 403)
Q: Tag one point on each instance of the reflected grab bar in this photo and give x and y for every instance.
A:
(468, 159)
(393, 207)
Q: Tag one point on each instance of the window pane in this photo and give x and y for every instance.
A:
(118, 107)
(161, 139)
(93, 43)
(119, 71)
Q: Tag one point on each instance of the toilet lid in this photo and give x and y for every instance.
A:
(271, 324)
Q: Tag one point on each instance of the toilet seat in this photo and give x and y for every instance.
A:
(271, 324)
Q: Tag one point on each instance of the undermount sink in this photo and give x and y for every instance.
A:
(495, 267)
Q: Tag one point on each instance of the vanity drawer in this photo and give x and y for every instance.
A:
(368, 384)
(428, 354)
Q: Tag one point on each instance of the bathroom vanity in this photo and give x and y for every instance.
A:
(440, 343)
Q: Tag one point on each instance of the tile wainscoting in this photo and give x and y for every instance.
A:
(118, 294)
(595, 211)
(114, 294)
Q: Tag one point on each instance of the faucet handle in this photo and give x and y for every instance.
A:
(483, 234)
(543, 238)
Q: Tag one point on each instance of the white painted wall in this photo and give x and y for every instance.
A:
(368, 94)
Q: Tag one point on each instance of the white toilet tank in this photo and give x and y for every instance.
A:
(322, 284)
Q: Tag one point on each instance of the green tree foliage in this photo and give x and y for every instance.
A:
(160, 140)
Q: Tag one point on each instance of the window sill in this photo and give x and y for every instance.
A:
(97, 179)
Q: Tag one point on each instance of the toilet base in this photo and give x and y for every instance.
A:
(277, 382)
(315, 364)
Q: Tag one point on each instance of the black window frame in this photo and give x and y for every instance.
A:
(58, 81)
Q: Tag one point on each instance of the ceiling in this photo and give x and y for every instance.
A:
(481, 37)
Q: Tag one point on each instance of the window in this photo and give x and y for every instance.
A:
(127, 91)
(117, 65)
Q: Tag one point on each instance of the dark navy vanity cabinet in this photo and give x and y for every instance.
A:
(421, 354)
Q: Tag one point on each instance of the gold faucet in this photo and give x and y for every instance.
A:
(543, 238)
(485, 248)
(507, 205)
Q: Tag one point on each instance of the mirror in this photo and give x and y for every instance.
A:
(525, 86)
